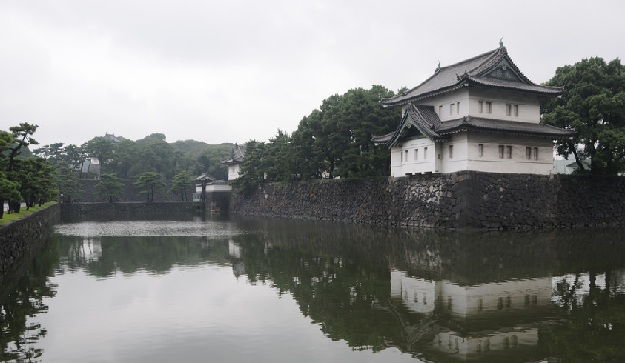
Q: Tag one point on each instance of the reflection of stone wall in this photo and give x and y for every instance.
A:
(21, 236)
(127, 211)
(463, 199)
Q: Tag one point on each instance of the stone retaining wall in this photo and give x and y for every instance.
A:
(21, 236)
(75, 212)
(464, 199)
(129, 192)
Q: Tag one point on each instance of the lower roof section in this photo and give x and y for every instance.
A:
(423, 120)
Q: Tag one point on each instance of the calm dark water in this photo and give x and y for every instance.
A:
(280, 291)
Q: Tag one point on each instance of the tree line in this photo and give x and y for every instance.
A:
(332, 141)
(151, 162)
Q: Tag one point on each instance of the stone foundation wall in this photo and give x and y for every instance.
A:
(21, 236)
(129, 192)
(459, 200)
(75, 212)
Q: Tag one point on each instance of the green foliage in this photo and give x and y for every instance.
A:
(36, 177)
(252, 168)
(128, 159)
(9, 190)
(180, 184)
(109, 186)
(22, 138)
(593, 103)
(334, 141)
(23, 178)
(101, 148)
(149, 182)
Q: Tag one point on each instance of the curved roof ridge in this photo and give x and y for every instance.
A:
(445, 68)
(490, 52)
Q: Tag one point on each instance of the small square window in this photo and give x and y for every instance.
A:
(451, 109)
(500, 151)
(440, 110)
(516, 110)
(508, 110)
(489, 107)
(425, 153)
(406, 154)
(481, 106)
(458, 107)
(509, 152)
(480, 149)
(451, 151)
(528, 153)
(416, 154)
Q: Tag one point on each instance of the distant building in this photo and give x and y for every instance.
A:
(479, 114)
(234, 163)
(90, 169)
(210, 185)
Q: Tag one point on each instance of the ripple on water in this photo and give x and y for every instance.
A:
(215, 229)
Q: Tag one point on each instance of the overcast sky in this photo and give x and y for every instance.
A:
(230, 71)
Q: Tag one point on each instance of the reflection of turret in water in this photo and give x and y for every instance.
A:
(477, 320)
(234, 250)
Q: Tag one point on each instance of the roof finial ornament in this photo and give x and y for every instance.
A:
(501, 42)
(438, 67)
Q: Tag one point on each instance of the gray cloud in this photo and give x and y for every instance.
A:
(236, 70)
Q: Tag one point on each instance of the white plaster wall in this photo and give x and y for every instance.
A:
(529, 106)
(491, 163)
(400, 166)
(459, 159)
(233, 171)
(461, 95)
(466, 155)
(217, 188)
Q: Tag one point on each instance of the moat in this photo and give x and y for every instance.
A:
(270, 290)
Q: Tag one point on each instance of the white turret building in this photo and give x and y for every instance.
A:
(234, 164)
(480, 114)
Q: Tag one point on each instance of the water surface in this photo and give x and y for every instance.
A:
(284, 291)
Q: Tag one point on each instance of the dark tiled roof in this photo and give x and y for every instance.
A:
(480, 70)
(519, 128)
(205, 177)
(421, 117)
(426, 121)
(238, 154)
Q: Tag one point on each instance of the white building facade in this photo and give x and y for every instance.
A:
(234, 164)
(480, 114)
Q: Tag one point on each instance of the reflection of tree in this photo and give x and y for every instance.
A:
(593, 329)
(152, 254)
(22, 295)
(336, 291)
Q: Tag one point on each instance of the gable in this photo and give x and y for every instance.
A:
(504, 71)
